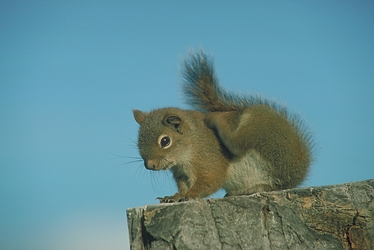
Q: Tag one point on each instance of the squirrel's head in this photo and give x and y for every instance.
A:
(162, 137)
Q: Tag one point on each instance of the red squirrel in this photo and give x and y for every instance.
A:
(243, 144)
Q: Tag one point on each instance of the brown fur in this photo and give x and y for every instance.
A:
(241, 144)
(195, 176)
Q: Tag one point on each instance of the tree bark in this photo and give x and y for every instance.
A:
(329, 217)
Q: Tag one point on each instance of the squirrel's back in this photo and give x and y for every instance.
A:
(203, 92)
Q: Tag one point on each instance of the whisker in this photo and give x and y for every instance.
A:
(134, 161)
(131, 140)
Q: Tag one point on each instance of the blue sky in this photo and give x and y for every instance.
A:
(71, 71)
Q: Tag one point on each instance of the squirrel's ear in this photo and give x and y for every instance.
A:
(139, 116)
(174, 122)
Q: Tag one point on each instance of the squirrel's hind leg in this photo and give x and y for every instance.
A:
(228, 126)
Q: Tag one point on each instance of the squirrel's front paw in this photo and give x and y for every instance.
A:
(173, 198)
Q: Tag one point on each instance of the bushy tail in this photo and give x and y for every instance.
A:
(202, 90)
(201, 87)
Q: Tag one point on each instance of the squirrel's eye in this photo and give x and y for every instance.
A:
(165, 142)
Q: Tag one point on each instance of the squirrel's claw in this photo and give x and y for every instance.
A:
(172, 199)
(165, 199)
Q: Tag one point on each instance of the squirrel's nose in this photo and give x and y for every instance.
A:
(149, 165)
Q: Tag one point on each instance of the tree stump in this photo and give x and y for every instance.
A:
(328, 217)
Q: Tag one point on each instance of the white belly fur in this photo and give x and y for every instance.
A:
(247, 175)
